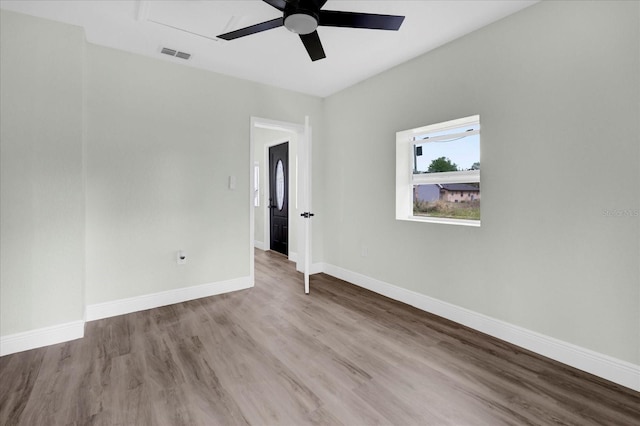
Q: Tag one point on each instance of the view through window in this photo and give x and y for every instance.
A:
(447, 151)
(444, 176)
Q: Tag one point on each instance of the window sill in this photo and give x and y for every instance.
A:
(445, 221)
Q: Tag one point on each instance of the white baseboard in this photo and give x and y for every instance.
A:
(621, 372)
(75, 330)
(258, 245)
(155, 300)
(317, 268)
(314, 268)
(40, 337)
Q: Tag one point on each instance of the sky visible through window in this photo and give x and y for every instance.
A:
(464, 152)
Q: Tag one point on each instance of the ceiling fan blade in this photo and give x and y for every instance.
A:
(313, 45)
(333, 18)
(278, 4)
(257, 28)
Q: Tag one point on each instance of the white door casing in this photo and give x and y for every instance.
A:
(303, 188)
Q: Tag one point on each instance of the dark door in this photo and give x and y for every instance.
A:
(279, 197)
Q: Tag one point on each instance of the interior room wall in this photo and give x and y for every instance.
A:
(41, 183)
(163, 140)
(111, 162)
(263, 139)
(557, 88)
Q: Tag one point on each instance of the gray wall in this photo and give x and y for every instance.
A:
(41, 182)
(153, 142)
(162, 141)
(557, 90)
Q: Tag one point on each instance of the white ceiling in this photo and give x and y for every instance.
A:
(275, 57)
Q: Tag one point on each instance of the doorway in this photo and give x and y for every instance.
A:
(279, 198)
(299, 194)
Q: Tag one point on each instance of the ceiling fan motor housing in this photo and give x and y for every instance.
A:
(300, 19)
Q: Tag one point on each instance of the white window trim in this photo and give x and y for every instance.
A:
(405, 179)
(466, 176)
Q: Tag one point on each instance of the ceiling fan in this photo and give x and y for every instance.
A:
(304, 16)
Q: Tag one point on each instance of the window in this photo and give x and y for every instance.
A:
(438, 173)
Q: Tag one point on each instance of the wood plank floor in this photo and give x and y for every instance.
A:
(272, 355)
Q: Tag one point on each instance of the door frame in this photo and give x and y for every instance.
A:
(303, 139)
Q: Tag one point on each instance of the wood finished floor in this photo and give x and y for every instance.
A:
(271, 355)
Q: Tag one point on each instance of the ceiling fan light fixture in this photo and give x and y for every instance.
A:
(301, 23)
(303, 17)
